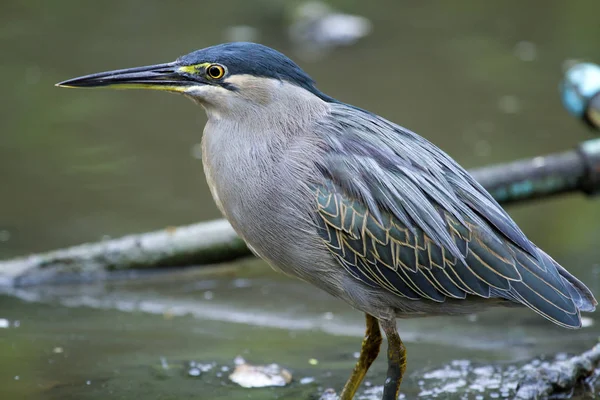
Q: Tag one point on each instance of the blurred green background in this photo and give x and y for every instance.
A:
(477, 78)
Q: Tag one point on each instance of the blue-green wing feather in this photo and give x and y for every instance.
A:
(399, 214)
(383, 253)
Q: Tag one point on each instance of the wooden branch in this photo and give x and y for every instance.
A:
(203, 243)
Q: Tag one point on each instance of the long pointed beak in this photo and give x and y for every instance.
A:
(156, 77)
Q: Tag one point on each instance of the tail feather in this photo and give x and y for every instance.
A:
(581, 295)
(550, 290)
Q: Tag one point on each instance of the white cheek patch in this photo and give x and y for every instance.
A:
(214, 99)
(201, 91)
(208, 94)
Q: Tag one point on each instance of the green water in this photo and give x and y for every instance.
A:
(136, 339)
(81, 165)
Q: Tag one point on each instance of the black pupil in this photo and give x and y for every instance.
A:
(215, 72)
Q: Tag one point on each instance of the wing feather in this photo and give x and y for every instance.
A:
(400, 215)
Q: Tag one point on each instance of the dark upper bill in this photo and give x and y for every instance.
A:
(157, 77)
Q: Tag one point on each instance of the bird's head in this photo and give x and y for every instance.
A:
(222, 78)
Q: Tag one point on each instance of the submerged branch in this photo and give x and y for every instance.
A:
(211, 242)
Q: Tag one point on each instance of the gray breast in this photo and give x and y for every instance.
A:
(260, 186)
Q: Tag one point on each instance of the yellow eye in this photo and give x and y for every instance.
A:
(215, 71)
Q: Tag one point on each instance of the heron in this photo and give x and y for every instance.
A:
(351, 202)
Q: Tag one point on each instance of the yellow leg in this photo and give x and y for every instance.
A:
(396, 361)
(368, 353)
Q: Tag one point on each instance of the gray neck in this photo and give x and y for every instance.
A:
(255, 137)
(259, 155)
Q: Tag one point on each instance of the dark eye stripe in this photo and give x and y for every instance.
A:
(229, 86)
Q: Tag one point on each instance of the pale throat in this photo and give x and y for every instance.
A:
(261, 104)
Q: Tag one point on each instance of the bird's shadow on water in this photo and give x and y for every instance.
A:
(177, 335)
